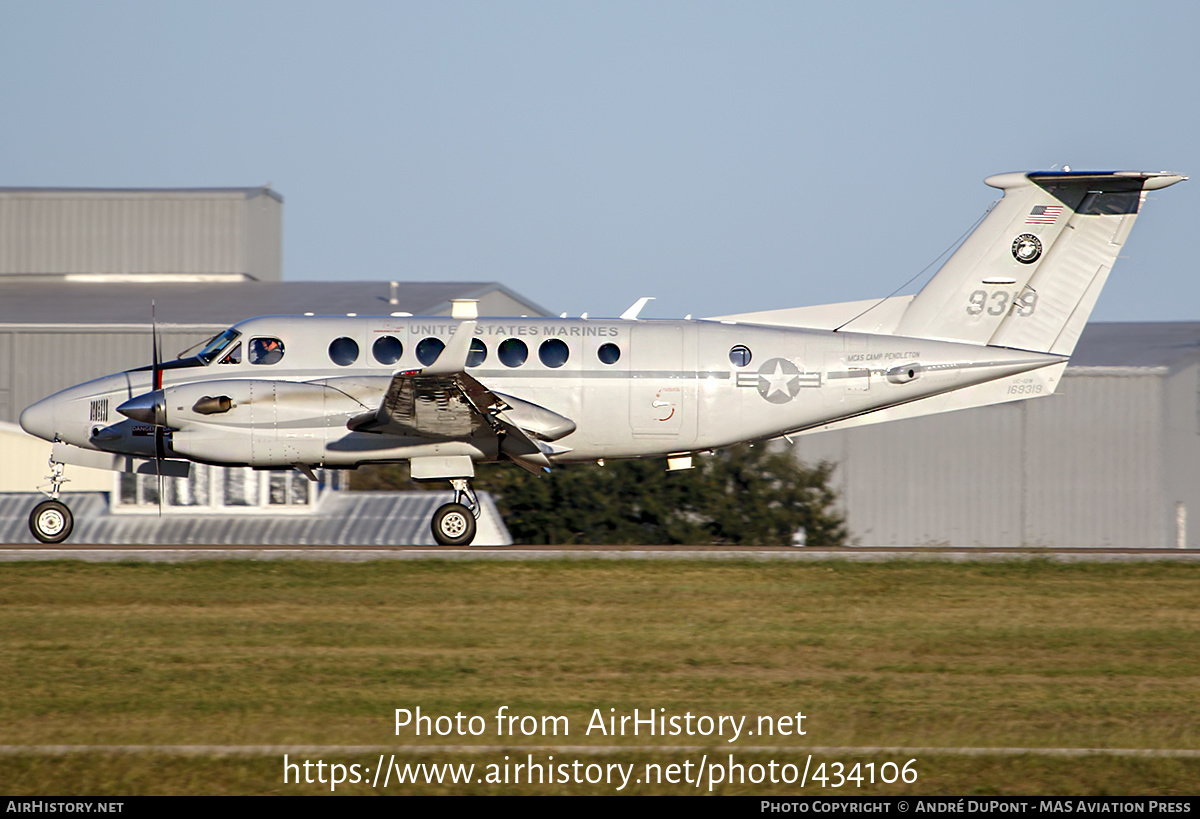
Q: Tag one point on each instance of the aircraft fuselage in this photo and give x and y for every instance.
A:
(633, 389)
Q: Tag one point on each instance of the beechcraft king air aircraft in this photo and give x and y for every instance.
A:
(997, 323)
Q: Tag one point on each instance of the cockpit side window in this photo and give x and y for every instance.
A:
(234, 356)
(215, 345)
(265, 350)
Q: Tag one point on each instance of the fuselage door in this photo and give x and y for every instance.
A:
(662, 385)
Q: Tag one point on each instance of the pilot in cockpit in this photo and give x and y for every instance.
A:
(265, 350)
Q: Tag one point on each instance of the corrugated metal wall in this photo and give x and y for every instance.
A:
(139, 232)
(1095, 462)
(6, 378)
(898, 479)
(1089, 466)
(24, 465)
(1182, 443)
(34, 364)
(264, 238)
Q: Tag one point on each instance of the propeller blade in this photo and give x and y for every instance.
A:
(156, 382)
(156, 370)
(159, 455)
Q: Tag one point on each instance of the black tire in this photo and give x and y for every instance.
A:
(453, 525)
(51, 521)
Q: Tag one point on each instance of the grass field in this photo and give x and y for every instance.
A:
(1019, 654)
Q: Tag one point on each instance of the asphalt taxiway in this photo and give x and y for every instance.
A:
(158, 554)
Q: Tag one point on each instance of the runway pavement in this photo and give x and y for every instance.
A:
(126, 554)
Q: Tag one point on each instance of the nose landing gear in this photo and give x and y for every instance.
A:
(51, 520)
(454, 524)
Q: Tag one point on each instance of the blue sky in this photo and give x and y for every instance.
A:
(719, 156)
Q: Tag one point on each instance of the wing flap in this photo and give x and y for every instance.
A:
(456, 406)
(445, 407)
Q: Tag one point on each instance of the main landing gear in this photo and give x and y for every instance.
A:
(454, 524)
(51, 521)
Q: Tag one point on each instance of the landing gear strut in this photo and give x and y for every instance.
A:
(454, 523)
(51, 521)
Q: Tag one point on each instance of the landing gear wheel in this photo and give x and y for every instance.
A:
(51, 521)
(453, 525)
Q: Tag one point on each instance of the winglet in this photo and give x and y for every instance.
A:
(632, 313)
(453, 359)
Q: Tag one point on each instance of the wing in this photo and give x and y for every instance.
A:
(448, 407)
(443, 402)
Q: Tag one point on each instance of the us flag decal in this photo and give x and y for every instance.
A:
(1044, 215)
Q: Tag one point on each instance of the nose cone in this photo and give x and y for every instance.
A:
(149, 408)
(38, 419)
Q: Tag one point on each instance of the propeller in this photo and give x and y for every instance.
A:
(151, 407)
(160, 430)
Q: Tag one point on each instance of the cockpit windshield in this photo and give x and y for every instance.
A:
(213, 348)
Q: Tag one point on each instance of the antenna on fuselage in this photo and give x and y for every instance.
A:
(634, 309)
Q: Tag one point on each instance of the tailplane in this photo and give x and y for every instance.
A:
(1029, 275)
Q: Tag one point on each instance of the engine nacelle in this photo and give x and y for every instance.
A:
(256, 422)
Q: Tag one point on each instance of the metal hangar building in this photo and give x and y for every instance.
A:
(1111, 460)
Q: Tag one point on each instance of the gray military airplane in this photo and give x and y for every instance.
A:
(997, 323)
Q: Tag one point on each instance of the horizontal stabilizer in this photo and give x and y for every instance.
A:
(1033, 384)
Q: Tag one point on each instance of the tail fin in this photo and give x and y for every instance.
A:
(1028, 277)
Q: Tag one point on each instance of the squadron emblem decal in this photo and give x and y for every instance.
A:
(1027, 248)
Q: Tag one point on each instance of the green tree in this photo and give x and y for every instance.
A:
(742, 495)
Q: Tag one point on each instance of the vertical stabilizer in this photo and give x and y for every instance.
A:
(1028, 277)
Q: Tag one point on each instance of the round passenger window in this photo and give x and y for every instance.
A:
(512, 352)
(609, 353)
(740, 355)
(554, 352)
(387, 349)
(428, 350)
(477, 354)
(343, 351)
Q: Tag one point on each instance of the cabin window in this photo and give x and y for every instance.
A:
(234, 356)
(343, 351)
(428, 350)
(609, 353)
(739, 356)
(477, 354)
(265, 350)
(512, 352)
(554, 352)
(387, 349)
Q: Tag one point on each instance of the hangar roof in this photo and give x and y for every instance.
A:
(63, 302)
(248, 193)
